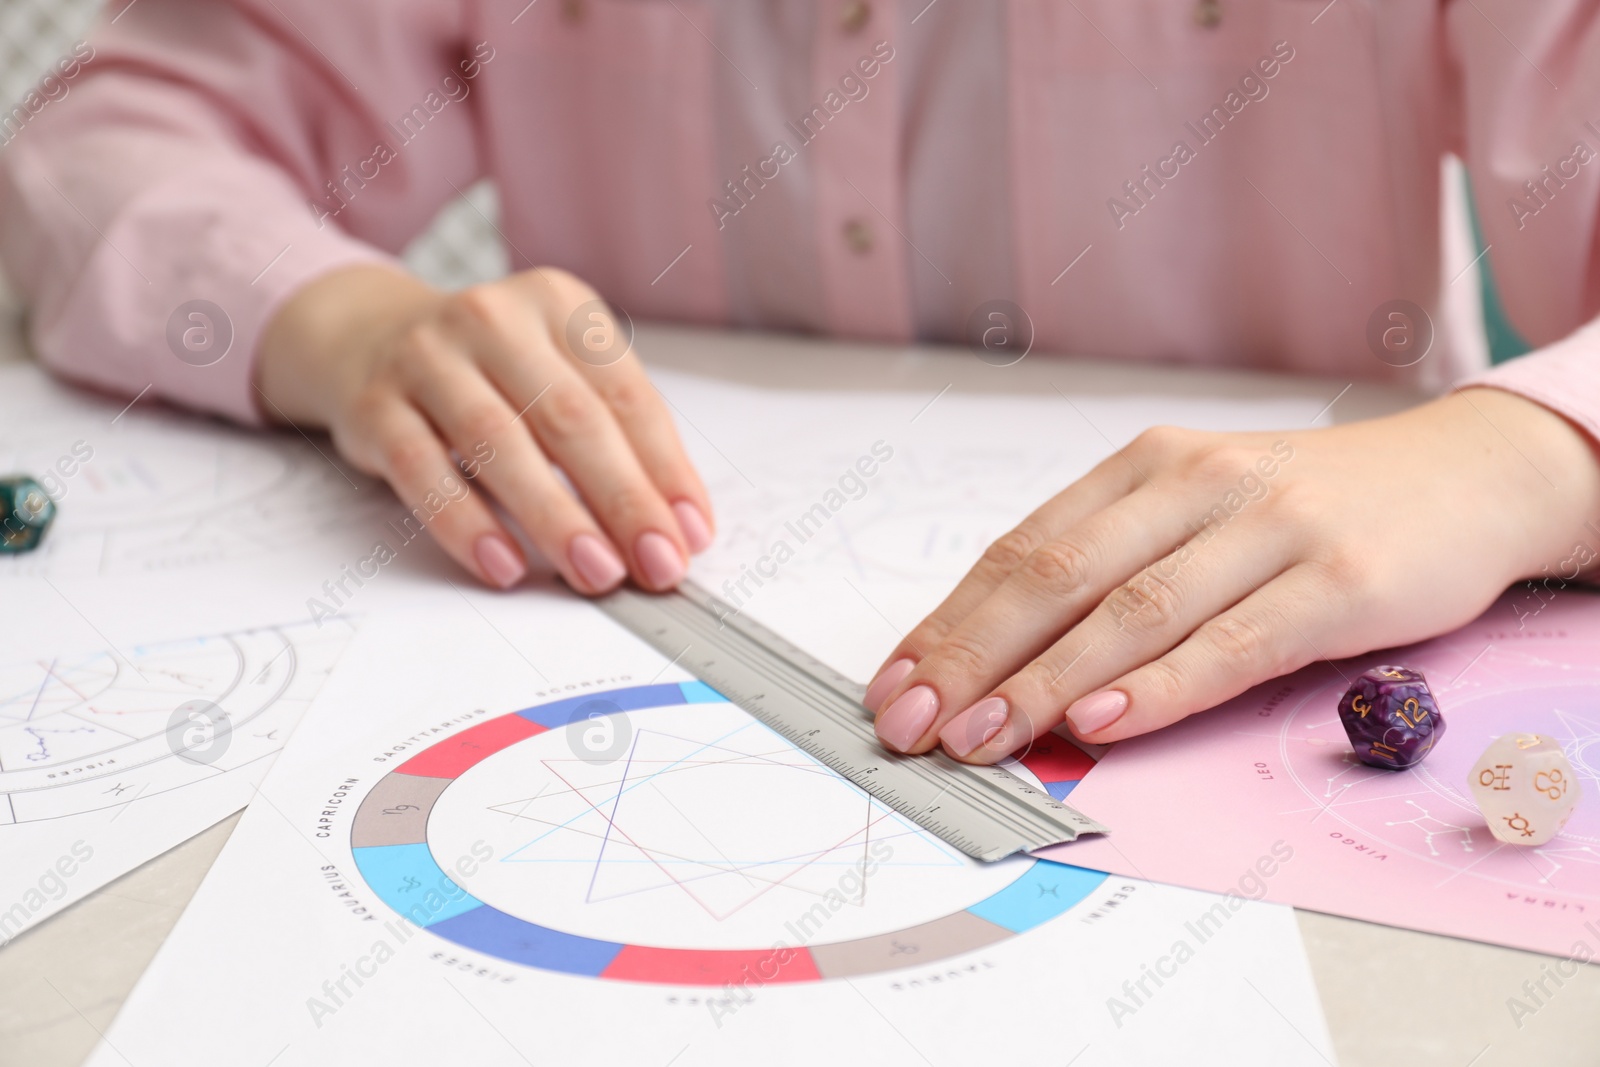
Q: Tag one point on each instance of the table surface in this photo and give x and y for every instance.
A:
(1390, 995)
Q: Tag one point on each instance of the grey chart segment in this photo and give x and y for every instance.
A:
(951, 935)
(396, 811)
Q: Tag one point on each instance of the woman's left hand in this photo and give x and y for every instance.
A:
(1191, 566)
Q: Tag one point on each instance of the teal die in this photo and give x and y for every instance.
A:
(26, 511)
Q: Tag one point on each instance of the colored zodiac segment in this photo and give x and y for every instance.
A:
(389, 842)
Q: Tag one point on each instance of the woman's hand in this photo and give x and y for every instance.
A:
(1192, 566)
(417, 385)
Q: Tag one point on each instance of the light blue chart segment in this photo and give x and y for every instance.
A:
(698, 692)
(1044, 891)
(407, 879)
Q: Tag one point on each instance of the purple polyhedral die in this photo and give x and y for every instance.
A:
(1391, 717)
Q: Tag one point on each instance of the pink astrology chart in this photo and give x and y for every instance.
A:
(1199, 803)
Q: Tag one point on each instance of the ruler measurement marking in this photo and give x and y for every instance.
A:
(986, 812)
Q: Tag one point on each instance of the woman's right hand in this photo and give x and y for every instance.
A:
(404, 375)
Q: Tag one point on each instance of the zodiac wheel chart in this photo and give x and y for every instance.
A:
(659, 834)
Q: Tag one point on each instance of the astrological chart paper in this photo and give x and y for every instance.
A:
(1192, 804)
(111, 756)
(529, 838)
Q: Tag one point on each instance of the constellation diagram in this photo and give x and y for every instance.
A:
(1431, 827)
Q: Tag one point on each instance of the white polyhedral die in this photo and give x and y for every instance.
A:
(1525, 788)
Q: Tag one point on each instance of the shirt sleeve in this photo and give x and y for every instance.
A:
(1527, 86)
(206, 160)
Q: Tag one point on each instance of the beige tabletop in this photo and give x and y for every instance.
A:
(1391, 996)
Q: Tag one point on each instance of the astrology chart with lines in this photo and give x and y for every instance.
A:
(100, 728)
(119, 754)
(657, 833)
(1401, 847)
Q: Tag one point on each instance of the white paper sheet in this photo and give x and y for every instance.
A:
(612, 874)
(109, 758)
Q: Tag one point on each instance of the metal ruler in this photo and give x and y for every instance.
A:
(986, 812)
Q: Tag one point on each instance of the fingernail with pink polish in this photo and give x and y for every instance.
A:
(693, 525)
(884, 683)
(499, 560)
(595, 562)
(659, 559)
(1097, 711)
(975, 726)
(908, 718)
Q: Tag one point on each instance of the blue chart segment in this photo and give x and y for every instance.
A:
(389, 839)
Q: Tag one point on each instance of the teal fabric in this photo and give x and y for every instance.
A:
(1504, 340)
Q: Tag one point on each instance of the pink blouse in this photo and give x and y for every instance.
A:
(1250, 182)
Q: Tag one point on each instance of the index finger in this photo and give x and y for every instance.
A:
(1110, 481)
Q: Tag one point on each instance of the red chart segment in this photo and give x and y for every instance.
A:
(689, 966)
(1058, 764)
(453, 756)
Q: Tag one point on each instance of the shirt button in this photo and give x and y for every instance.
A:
(854, 15)
(1208, 13)
(858, 235)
